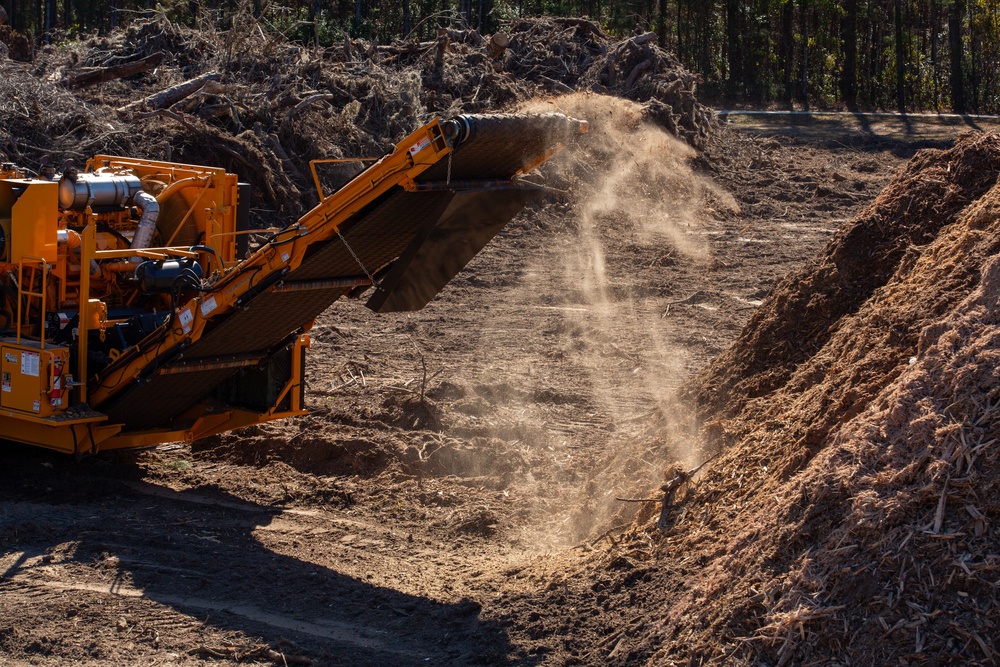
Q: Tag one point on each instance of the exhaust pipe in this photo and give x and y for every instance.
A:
(143, 237)
(78, 191)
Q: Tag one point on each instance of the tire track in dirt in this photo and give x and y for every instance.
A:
(35, 592)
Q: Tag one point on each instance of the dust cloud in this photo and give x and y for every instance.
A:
(632, 195)
(627, 167)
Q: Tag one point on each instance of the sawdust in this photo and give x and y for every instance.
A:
(848, 514)
(800, 316)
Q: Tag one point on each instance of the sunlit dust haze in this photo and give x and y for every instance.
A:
(632, 194)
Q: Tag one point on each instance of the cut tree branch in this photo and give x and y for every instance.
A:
(105, 74)
(172, 95)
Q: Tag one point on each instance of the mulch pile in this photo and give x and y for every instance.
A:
(269, 106)
(852, 514)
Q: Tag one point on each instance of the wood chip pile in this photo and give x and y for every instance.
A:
(853, 513)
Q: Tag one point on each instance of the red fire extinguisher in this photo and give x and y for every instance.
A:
(56, 383)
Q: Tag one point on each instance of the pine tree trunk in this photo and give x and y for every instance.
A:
(680, 42)
(487, 23)
(804, 80)
(661, 24)
(787, 48)
(955, 44)
(900, 58)
(849, 41)
(934, 54)
(50, 19)
(973, 99)
(313, 23)
(734, 57)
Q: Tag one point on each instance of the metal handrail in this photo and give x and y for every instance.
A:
(21, 292)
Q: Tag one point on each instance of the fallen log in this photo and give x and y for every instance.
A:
(644, 38)
(470, 37)
(105, 74)
(172, 95)
(296, 179)
(215, 111)
(555, 86)
(312, 99)
(192, 102)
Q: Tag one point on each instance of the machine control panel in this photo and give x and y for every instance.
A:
(34, 380)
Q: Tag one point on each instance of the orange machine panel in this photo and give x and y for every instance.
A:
(33, 379)
(33, 228)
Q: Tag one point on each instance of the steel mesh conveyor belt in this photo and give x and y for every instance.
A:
(496, 147)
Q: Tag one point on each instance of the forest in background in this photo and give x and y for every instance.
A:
(906, 55)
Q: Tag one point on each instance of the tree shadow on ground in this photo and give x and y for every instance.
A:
(910, 132)
(196, 553)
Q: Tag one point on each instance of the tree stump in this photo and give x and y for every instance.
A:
(497, 45)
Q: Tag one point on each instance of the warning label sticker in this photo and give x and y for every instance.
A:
(10, 357)
(6, 381)
(186, 317)
(29, 363)
(208, 305)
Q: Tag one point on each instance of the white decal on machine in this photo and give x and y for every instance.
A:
(208, 305)
(419, 146)
(29, 363)
(186, 318)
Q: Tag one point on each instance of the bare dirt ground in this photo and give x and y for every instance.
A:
(458, 463)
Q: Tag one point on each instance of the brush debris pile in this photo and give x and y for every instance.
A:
(852, 515)
(254, 103)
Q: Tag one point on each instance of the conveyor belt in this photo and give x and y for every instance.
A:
(435, 232)
(376, 236)
(440, 251)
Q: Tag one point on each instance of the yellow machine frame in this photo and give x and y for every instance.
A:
(87, 430)
(45, 402)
